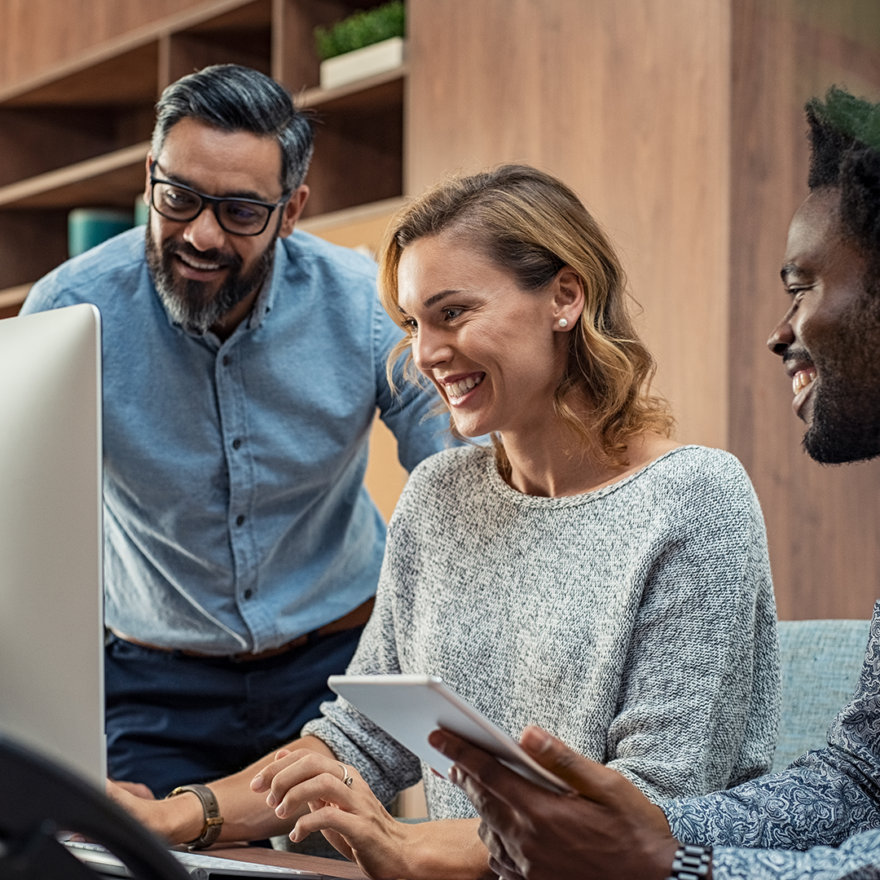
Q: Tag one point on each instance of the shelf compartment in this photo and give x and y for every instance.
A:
(242, 35)
(125, 78)
(114, 180)
(358, 144)
(32, 243)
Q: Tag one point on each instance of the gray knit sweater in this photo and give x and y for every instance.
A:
(637, 622)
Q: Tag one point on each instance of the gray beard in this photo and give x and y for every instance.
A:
(188, 301)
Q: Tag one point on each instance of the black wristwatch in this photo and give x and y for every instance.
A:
(213, 819)
(691, 862)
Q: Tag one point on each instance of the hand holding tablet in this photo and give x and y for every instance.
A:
(409, 707)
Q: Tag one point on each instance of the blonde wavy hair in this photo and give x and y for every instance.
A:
(532, 225)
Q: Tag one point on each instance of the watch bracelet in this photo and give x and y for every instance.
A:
(691, 862)
(210, 810)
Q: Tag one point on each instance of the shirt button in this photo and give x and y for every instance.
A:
(248, 594)
(239, 520)
(226, 360)
(236, 443)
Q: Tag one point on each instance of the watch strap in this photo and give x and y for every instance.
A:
(691, 862)
(213, 819)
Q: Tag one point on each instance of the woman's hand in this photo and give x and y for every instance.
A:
(348, 814)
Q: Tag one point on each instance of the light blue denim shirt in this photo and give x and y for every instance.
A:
(235, 514)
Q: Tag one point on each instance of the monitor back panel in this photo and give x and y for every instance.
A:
(51, 602)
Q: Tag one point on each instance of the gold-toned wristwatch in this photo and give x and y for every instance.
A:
(213, 819)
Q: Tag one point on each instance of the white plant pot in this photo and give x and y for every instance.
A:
(362, 63)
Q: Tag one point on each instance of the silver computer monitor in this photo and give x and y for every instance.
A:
(51, 601)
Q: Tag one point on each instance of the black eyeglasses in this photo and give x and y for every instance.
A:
(237, 216)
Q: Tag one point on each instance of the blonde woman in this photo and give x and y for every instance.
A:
(586, 573)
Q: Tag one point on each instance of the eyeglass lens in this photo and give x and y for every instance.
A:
(177, 203)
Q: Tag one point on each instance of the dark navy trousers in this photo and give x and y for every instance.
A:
(173, 719)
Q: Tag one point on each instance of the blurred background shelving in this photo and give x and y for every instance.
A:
(77, 134)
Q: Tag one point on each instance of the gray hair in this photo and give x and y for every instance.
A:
(235, 98)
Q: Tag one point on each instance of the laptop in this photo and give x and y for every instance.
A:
(51, 547)
(51, 620)
(198, 865)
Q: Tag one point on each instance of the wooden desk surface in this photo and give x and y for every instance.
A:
(262, 856)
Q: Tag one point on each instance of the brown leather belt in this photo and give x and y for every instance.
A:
(357, 617)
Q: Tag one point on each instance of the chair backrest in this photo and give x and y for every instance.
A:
(821, 662)
(38, 799)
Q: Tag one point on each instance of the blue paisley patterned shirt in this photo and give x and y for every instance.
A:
(819, 818)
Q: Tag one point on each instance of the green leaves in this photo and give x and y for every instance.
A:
(855, 117)
(361, 29)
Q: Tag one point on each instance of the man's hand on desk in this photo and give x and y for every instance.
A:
(138, 789)
(178, 819)
(610, 829)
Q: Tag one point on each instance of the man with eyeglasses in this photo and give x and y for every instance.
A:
(243, 365)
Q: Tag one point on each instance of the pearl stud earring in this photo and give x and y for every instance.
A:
(563, 322)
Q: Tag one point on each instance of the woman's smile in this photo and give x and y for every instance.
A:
(487, 345)
(458, 388)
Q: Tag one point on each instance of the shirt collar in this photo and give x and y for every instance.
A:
(266, 297)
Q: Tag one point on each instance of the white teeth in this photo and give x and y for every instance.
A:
(198, 264)
(458, 389)
(801, 379)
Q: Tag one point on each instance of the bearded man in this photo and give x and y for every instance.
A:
(819, 818)
(243, 364)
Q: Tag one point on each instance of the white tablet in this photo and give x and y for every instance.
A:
(409, 707)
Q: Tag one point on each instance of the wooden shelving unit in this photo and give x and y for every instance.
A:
(77, 135)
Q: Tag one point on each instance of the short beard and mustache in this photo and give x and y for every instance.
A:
(188, 301)
(845, 424)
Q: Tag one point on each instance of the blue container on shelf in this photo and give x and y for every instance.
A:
(87, 227)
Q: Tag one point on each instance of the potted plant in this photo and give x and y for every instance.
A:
(364, 44)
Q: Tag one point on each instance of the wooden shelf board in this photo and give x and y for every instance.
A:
(355, 227)
(253, 14)
(352, 216)
(13, 296)
(124, 78)
(105, 180)
(354, 93)
(42, 88)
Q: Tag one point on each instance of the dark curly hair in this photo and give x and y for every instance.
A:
(845, 140)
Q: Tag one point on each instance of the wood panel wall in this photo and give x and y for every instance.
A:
(823, 523)
(618, 99)
(681, 126)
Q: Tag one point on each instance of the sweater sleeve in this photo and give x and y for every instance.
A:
(386, 766)
(698, 705)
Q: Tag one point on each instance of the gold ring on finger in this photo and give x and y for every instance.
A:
(347, 778)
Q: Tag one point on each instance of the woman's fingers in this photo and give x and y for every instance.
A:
(310, 781)
(290, 770)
